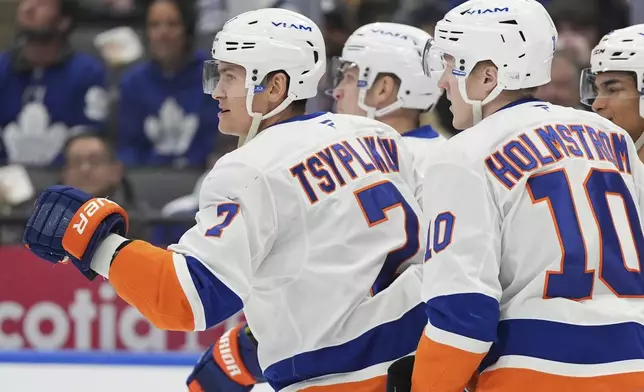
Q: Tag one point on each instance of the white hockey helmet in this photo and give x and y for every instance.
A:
(620, 50)
(267, 40)
(394, 48)
(518, 36)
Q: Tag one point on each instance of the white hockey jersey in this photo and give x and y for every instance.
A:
(534, 263)
(305, 227)
(422, 142)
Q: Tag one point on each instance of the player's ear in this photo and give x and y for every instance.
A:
(277, 87)
(384, 91)
(489, 76)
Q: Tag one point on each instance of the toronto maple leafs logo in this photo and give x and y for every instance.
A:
(96, 103)
(172, 132)
(31, 140)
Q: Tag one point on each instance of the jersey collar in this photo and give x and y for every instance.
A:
(424, 132)
(520, 102)
(302, 117)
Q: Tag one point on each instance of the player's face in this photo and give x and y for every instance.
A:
(461, 111)
(90, 167)
(346, 93)
(165, 31)
(618, 101)
(231, 92)
(38, 14)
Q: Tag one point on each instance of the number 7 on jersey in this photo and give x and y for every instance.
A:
(375, 200)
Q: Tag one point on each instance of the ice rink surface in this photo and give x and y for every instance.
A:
(102, 372)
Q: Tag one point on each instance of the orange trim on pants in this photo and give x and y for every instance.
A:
(376, 384)
(525, 380)
(442, 368)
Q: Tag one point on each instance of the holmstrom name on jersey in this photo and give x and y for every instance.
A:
(549, 144)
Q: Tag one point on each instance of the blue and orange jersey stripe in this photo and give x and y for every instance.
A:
(384, 343)
(169, 289)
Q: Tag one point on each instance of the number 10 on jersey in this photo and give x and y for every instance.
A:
(575, 279)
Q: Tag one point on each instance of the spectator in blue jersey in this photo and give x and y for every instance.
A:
(46, 88)
(165, 118)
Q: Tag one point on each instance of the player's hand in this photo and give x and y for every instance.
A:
(229, 365)
(67, 223)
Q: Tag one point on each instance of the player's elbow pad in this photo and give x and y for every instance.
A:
(229, 365)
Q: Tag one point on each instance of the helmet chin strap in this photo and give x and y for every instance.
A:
(372, 112)
(477, 106)
(258, 117)
(639, 143)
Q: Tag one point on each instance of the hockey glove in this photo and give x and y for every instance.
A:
(67, 223)
(229, 365)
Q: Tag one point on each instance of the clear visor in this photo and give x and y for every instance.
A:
(226, 80)
(344, 72)
(587, 89)
(434, 63)
(592, 87)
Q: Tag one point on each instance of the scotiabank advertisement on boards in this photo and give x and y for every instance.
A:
(51, 307)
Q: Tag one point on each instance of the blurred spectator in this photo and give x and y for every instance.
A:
(426, 16)
(184, 207)
(453, 3)
(92, 166)
(370, 11)
(563, 88)
(46, 88)
(114, 7)
(164, 116)
(576, 24)
(112, 13)
(212, 15)
(581, 23)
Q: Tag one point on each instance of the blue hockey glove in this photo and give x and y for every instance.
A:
(67, 223)
(229, 365)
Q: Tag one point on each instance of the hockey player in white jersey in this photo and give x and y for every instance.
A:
(533, 275)
(304, 227)
(380, 75)
(394, 90)
(612, 85)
